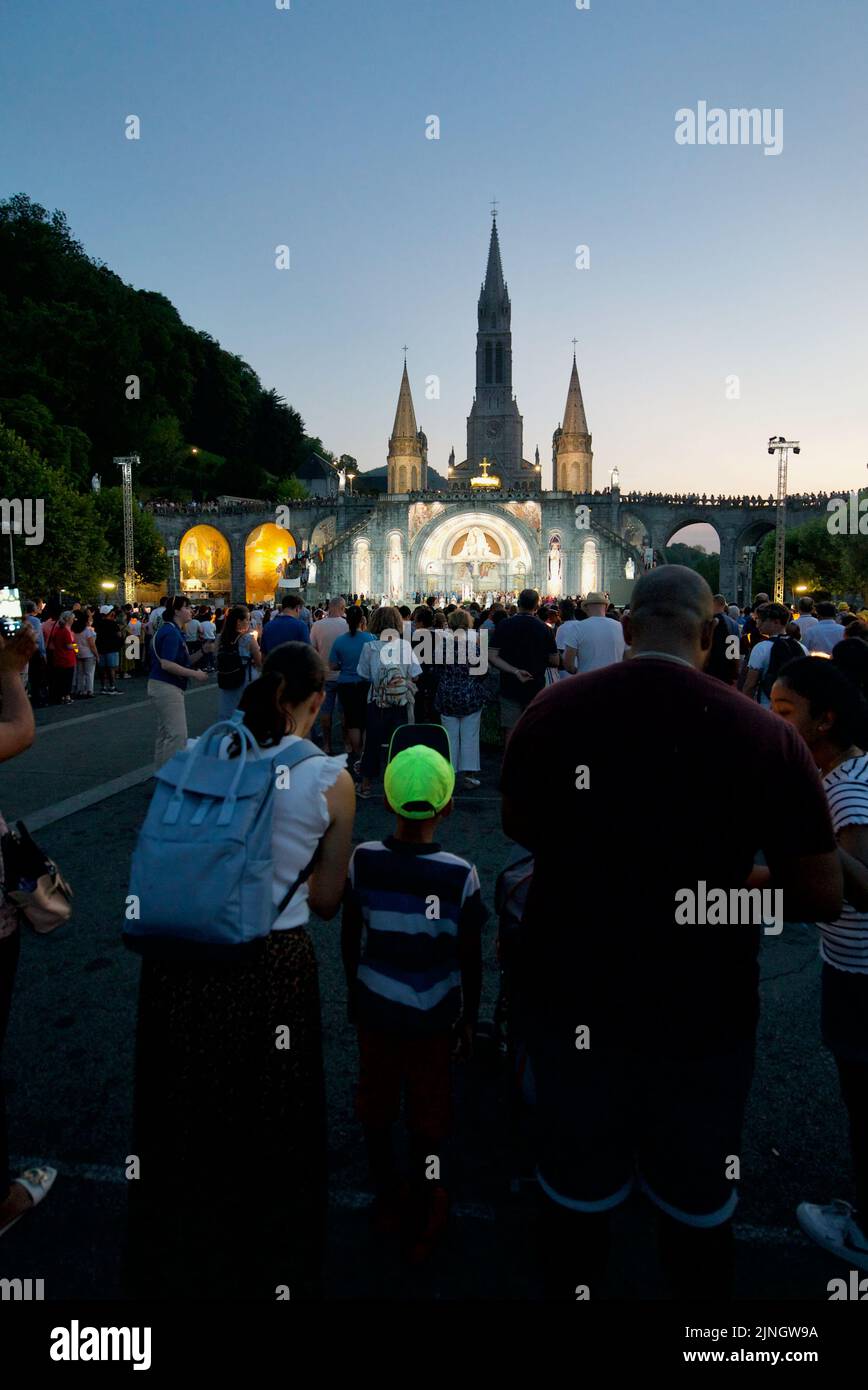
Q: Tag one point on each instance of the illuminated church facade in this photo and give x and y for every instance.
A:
(492, 529)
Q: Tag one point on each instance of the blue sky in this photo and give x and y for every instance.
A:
(307, 127)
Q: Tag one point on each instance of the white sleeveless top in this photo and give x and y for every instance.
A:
(301, 818)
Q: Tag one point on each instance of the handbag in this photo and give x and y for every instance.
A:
(33, 882)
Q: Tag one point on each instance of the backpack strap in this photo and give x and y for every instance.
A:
(300, 753)
(302, 878)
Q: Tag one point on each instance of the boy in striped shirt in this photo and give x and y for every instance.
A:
(410, 939)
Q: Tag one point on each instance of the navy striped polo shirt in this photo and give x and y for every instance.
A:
(413, 900)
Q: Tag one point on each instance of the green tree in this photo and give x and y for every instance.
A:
(292, 490)
(73, 555)
(816, 558)
(695, 557)
(92, 368)
(152, 562)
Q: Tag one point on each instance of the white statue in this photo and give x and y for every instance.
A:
(555, 569)
(476, 546)
(363, 569)
(396, 568)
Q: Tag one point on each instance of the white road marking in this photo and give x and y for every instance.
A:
(105, 712)
(37, 820)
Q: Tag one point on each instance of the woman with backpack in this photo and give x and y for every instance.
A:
(229, 1107)
(391, 667)
(459, 700)
(238, 659)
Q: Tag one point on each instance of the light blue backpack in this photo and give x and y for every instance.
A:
(202, 874)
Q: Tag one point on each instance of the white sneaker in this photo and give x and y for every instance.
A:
(38, 1182)
(835, 1228)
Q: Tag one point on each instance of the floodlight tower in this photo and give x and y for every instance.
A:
(780, 446)
(126, 467)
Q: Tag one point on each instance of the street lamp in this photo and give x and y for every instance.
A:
(173, 556)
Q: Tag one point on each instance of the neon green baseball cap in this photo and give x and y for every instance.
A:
(419, 782)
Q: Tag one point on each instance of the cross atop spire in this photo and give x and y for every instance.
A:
(575, 340)
(404, 350)
(493, 209)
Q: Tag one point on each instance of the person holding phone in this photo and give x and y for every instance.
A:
(18, 1195)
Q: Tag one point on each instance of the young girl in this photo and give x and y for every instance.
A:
(829, 712)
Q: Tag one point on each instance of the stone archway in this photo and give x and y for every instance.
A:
(266, 551)
(472, 552)
(204, 563)
(737, 557)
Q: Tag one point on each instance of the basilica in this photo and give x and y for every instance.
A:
(487, 528)
(492, 528)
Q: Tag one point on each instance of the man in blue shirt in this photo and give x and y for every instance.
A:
(288, 626)
(31, 613)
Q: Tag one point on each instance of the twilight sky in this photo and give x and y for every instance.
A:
(307, 127)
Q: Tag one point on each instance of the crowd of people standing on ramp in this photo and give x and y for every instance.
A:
(634, 1026)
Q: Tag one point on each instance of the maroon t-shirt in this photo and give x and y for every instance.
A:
(687, 781)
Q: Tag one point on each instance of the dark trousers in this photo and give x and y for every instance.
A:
(854, 1089)
(38, 676)
(380, 725)
(9, 948)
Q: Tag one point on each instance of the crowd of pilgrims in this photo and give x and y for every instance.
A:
(236, 506)
(629, 1041)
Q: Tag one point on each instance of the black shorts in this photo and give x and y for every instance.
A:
(671, 1121)
(844, 1013)
(353, 696)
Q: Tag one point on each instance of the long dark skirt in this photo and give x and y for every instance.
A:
(229, 1128)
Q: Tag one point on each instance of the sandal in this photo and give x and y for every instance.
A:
(37, 1182)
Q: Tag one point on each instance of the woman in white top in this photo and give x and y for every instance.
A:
(86, 656)
(208, 634)
(229, 1109)
(830, 714)
(392, 669)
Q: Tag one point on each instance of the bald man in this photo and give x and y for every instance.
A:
(641, 1026)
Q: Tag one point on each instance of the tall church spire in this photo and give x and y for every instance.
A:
(574, 413)
(572, 455)
(408, 454)
(405, 415)
(494, 310)
(494, 425)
